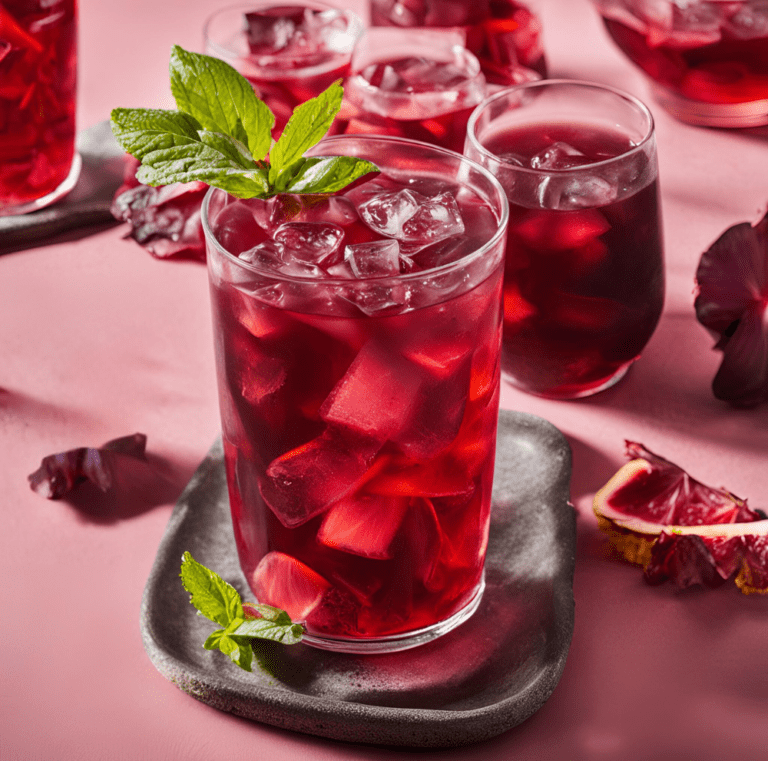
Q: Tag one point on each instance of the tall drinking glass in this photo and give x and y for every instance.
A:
(38, 73)
(289, 51)
(357, 345)
(584, 273)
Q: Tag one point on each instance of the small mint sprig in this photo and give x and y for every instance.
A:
(220, 602)
(221, 134)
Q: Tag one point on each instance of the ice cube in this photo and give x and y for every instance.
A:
(750, 21)
(316, 243)
(289, 584)
(559, 155)
(696, 24)
(363, 525)
(306, 481)
(267, 255)
(236, 229)
(375, 259)
(375, 299)
(269, 32)
(563, 192)
(377, 394)
(388, 212)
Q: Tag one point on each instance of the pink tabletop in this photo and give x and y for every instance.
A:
(99, 340)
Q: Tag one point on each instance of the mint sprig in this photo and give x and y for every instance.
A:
(220, 602)
(221, 134)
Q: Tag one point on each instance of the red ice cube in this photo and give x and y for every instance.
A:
(287, 583)
(561, 230)
(363, 525)
(376, 395)
(236, 229)
(307, 480)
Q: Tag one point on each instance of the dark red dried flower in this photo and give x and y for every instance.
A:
(59, 473)
(165, 220)
(732, 302)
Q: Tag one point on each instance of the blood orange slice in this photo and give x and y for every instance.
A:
(657, 516)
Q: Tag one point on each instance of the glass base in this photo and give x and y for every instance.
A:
(731, 115)
(571, 391)
(55, 195)
(396, 642)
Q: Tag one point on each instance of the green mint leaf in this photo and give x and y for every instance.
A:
(306, 127)
(269, 612)
(213, 597)
(238, 649)
(141, 131)
(325, 174)
(261, 628)
(221, 99)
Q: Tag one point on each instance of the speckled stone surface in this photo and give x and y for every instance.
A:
(481, 679)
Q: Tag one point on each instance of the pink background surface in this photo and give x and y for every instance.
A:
(98, 340)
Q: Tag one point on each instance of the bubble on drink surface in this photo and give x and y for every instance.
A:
(378, 258)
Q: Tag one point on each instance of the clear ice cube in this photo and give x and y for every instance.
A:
(750, 21)
(377, 258)
(316, 243)
(268, 33)
(580, 191)
(559, 155)
(387, 213)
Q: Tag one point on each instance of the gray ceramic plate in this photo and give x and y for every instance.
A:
(483, 678)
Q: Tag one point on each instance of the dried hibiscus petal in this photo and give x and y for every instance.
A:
(657, 516)
(166, 220)
(732, 302)
(59, 473)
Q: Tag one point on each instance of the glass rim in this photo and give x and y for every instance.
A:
(542, 83)
(406, 277)
(354, 23)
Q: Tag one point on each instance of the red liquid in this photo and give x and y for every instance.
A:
(584, 287)
(503, 34)
(287, 68)
(359, 447)
(37, 98)
(415, 97)
(724, 63)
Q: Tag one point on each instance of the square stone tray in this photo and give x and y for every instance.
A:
(481, 679)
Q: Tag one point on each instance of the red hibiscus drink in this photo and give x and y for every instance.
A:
(584, 279)
(38, 49)
(505, 35)
(357, 341)
(289, 52)
(707, 60)
(416, 83)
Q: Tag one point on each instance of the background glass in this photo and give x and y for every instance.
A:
(359, 409)
(290, 52)
(584, 278)
(706, 60)
(38, 76)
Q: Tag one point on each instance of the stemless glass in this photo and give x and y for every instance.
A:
(416, 83)
(38, 74)
(289, 51)
(706, 60)
(357, 346)
(505, 35)
(584, 273)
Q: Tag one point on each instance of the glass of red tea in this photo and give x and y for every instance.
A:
(417, 83)
(38, 76)
(584, 272)
(505, 35)
(289, 51)
(357, 342)
(706, 60)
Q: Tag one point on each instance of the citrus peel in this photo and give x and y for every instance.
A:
(657, 516)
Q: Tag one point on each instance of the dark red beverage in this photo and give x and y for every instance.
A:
(583, 281)
(289, 52)
(359, 392)
(504, 34)
(413, 84)
(37, 102)
(708, 60)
